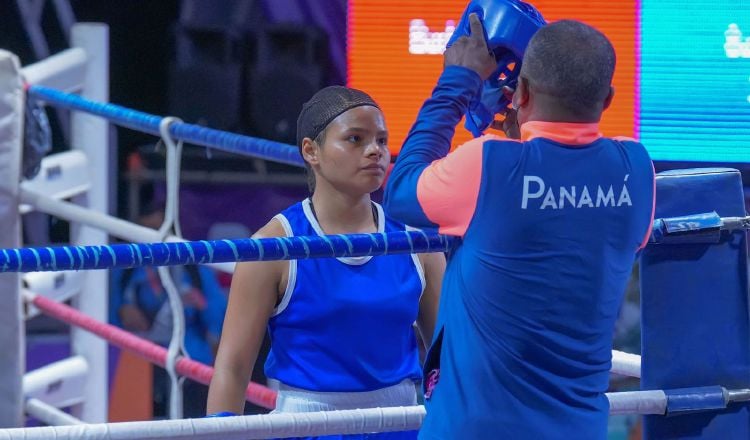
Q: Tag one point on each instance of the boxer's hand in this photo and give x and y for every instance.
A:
(220, 414)
(472, 51)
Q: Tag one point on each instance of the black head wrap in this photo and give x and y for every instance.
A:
(325, 106)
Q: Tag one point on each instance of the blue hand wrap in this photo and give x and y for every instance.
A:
(221, 414)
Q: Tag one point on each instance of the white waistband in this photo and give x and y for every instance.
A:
(290, 399)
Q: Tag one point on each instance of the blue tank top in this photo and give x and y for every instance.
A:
(345, 324)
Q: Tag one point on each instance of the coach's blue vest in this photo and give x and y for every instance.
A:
(531, 296)
(345, 324)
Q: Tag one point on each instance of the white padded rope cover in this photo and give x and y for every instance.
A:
(290, 424)
(236, 428)
(638, 402)
(626, 364)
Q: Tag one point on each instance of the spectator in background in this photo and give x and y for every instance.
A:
(140, 305)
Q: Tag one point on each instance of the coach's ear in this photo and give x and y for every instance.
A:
(609, 98)
(520, 95)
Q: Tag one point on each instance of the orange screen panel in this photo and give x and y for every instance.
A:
(381, 63)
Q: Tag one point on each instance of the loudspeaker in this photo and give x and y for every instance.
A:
(207, 94)
(276, 97)
(206, 75)
(289, 69)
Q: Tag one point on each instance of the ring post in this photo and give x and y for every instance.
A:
(12, 346)
(694, 304)
(91, 135)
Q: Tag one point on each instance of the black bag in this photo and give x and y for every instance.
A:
(37, 138)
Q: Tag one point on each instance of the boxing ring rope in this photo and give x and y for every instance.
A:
(622, 363)
(171, 224)
(57, 258)
(654, 402)
(255, 393)
(626, 364)
(194, 134)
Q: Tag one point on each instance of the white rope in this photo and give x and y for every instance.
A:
(236, 428)
(638, 402)
(48, 414)
(626, 364)
(176, 346)
(112, 225)
(174, 157)
(284, 425)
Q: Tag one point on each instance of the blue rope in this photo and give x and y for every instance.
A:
(219, 251)
(194, 134)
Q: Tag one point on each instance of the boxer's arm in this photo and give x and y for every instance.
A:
(434, 267)
(252, 296)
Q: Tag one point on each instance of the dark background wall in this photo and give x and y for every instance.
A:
(239, 65)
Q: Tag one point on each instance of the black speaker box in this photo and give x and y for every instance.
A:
(289, 69)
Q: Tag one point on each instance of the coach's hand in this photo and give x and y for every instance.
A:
(508, 125)
(509, 122)
(472, 51)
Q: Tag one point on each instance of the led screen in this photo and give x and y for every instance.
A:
(695, 80)
(682, 79)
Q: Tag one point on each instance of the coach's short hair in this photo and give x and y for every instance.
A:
(572, 62)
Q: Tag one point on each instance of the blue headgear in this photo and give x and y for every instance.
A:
(508, 26)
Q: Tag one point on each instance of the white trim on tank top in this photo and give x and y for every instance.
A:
(292, 278)
(352, 261)
(306, 207)
(418, 264)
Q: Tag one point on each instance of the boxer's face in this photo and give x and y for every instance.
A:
(354, 155)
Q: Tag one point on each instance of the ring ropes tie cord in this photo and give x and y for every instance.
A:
(171, 224)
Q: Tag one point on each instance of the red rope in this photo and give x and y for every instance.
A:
(255, 393)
